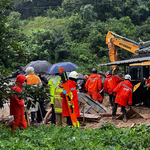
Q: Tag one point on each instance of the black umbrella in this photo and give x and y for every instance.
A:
(40, 66)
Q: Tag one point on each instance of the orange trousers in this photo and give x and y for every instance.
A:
(96, 96)
(19, 121)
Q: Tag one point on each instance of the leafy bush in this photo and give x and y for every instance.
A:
(49, 137)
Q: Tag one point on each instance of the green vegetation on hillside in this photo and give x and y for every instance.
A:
(73, 30)
(42, 23)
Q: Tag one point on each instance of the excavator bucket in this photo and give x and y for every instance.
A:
(136, 86)
(131, 113)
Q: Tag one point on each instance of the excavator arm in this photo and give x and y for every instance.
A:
(138, 71)
(114, 40)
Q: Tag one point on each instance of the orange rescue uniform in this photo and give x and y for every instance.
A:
(93, 85)
(123, 93)
(110, 83)
(17, 105)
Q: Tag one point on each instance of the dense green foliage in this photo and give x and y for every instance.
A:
(50, 137)
(68, 30)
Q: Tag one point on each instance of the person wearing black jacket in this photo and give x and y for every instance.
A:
(43, 111)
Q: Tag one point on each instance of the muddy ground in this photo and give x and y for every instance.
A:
(142, 110)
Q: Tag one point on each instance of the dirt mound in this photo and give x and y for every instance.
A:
(142, 110)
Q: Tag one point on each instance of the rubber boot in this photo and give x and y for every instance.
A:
(124, 118)
(113, 117)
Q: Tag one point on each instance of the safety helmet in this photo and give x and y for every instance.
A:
(73, 75)
(29, 70)
(94, 70)
(127, 77)
(86, 76)
(108, 73)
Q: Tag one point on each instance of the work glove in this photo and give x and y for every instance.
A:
(145, 85)
(64, 92)
(112, 93)
(129, 103)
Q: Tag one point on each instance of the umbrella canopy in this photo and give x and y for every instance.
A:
(40, 66)
(54, 69)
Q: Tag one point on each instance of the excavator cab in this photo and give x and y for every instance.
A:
(139, 71)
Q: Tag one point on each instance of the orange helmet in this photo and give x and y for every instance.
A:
(86, 76)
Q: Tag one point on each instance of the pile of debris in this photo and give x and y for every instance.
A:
(89, 108)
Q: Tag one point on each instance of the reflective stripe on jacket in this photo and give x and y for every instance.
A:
(65, 111)
(58, 99)
(110, 83)
(74, 98)
(72, 86)
(123, 93)
(94, 83)
(53, 82)
(32, 79)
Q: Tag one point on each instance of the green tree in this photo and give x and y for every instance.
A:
(143, 31)
(49, 45)
(87, 13)
(9, 47)
(32, 8)
(77, 29)
(14, 20)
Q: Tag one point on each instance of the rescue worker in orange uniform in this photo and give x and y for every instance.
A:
(73, 76)
(17, 104)
(123, 93)
(110, 83)
(94, 86)
(82, 84)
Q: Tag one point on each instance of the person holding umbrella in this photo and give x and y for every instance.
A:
(53, 83)
(41, 110)
(33, 81)
(58, 100)
(55, 79)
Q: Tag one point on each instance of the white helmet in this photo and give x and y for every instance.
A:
(73, 74)
(127, 77)
(29, 70)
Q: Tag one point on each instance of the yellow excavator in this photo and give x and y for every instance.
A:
(138, 71)
(114, 40)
